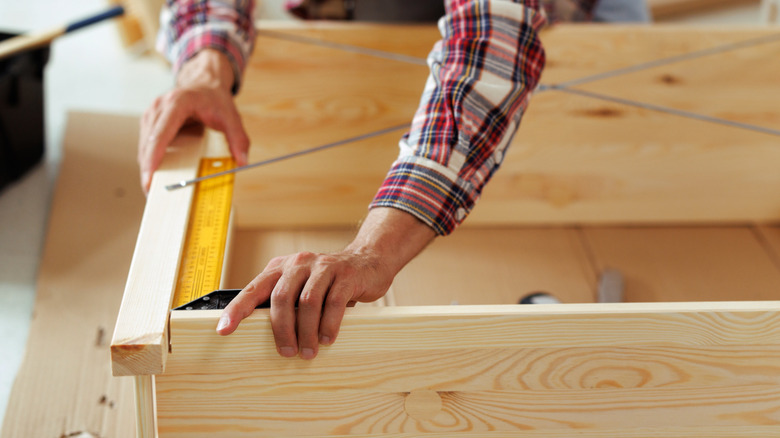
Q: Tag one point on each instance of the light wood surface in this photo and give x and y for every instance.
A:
(687, 263)
(64, 386)
(699, 86)
(502, 264)
(145, 407)
(769, 236)
(574, 159)
(140, 342)
(664, 9)
(508, 368)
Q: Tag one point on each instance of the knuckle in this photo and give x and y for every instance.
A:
(303, 258)
(281, 298)
(337, 300)
(309, 301)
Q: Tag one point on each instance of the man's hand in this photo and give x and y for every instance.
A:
(323, 285)
(203, 94)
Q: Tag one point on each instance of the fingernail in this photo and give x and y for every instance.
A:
(243, 157)
(325, 340)
(224, 321)
(307, 353)
(287, 351)
(145, 177)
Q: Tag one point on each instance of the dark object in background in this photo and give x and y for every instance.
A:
(21, 112)
(396, 11)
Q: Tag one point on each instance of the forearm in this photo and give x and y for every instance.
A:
(191, 26)
(482, 71)
(392, 236)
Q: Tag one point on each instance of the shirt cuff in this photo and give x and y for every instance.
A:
(428, 191)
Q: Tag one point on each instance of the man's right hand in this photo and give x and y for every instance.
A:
(203, 93)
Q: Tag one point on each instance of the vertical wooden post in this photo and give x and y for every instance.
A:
(145, 410)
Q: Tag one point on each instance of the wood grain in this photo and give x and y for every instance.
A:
(64, 385)
(687, 263)
(665, 9)
(579, 51)
(145, 407)
(140, 342)
(581, 160)
(574, 160)
(510, 368)
(698, 85)
(412, 40)
(477, 413)
(498, 266)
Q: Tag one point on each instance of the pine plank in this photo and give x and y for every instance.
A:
(669, 366)
(575, 159)
(581, 160)
(412, 40)
(700, 85)
(769, 235)
(140, 342)
(64, 386)
(665, 9)
(579, 51)
(687, 263)
(498, 266)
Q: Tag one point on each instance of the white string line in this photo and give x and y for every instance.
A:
(673, 111)
(345, 47)
(185, 183)
(670, 60)
(542, 87)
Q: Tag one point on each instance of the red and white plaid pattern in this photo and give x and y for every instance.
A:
(189, 26)
(482, 72)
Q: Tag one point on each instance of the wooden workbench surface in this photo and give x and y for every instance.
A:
(65, 385)
(576, 158)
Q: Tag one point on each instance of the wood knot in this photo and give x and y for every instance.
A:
(603, 112)
(422, 404)
(669, 79)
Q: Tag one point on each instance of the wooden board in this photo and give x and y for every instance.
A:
(665, 9)
(632, 165)
(140, 341)
(64, 386)
(584, 160)
(687, 264)
(498, 266)
(698, 86)
(613, 370)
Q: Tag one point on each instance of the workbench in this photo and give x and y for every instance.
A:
(682, 206)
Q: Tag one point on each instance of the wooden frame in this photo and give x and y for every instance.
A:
(598, 370)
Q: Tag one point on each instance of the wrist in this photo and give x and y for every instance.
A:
(392, 237)
(209, 68)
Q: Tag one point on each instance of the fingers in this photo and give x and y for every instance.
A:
(283, 300)
(309, 310)
(309, 294)
(337, 301)
(237, 139)
(165, 117)
(256, 292)
(159, 127)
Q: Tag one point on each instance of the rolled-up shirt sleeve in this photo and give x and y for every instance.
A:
(482, 72)
(189, 26)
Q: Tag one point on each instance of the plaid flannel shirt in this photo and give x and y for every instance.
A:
(481, 75)
(189, 26)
